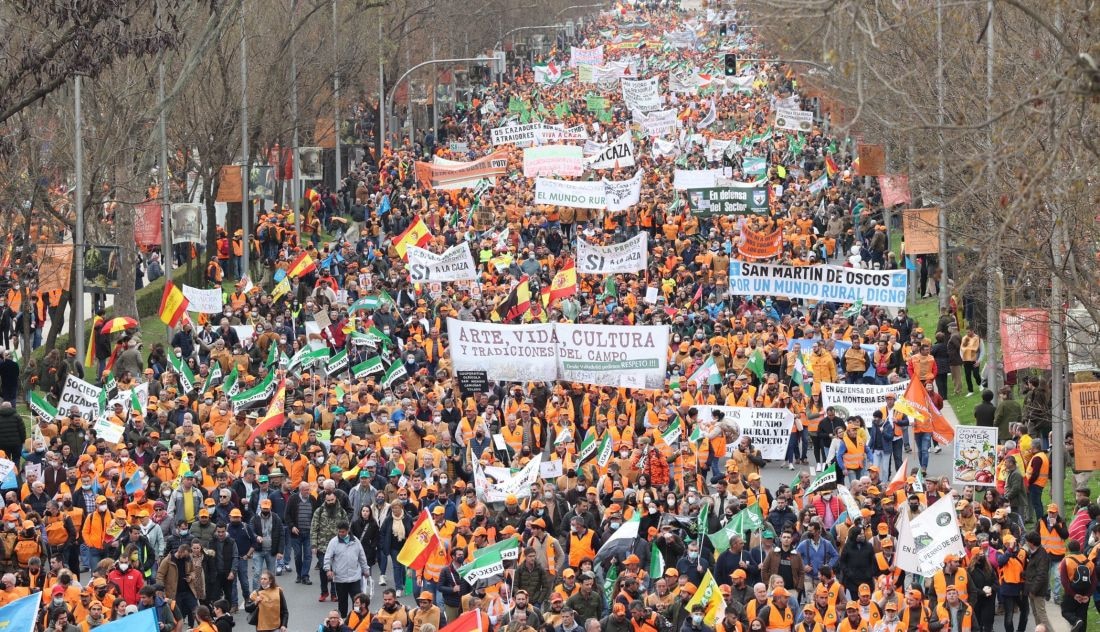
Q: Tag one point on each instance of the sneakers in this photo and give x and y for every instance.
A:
(400, 593)
(279, 571)
(324, 597)
(297, 580)
(307, 581)
(790, 466)
(382, 580)
(938, 450)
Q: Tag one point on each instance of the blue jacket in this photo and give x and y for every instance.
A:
(241, 533)
(814, 558)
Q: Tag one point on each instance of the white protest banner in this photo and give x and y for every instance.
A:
(585, 56)
(629, 256)
(572, 194)
(518, 484)
(557, 133)
(6, 468)
(643, 95)
(658, 123)
(858, 399)
(81, 394)
(515, 134)
(553, 160)
(794, 119)
(621, 195)
(454, 264)
(834, 284)
(514, 353)
(769, 428)
(613, 355)
(716, 149)
(683, 179)
(930, 537)
(975, 456)
(203, 301)
(618, 154)
(682, 82)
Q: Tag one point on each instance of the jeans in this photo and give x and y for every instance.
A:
(324, 576)
(821, 448)
(1035, 502)
(853, 476)
(299, 544)
(898, 451)
(793, 444)
(924, 444)
(242, 581)
(286, 546)
(94, 556)
(1055, 583)
(384, 559)
(1012, 604)
(805, 440)
(261, 561)
(882, 460)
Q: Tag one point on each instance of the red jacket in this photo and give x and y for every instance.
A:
(129, 583)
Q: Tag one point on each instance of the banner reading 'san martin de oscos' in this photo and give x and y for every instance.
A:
(611, 355)
(835, 284)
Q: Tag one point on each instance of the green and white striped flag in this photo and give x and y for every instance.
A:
(102, 400)
(377, 334)
(306, 356)
(749, 519)
(232, 382)
(110, 384)
(272, 355)
(369, 366)
(395, 372)
(215, 376)
(259, 393)
(603, 455)
(41, 407)
(675, 430)
(656, 561)
(825, 477)
(337, 363)
(588, 449)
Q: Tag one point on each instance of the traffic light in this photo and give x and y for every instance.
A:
(731, 64)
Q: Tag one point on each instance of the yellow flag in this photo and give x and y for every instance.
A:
(710, 596)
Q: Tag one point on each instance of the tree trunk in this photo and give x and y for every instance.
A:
(126, 299)
(209, 186)
(57, 319)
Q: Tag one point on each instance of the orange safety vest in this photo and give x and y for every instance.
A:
(855, 453)
(56, 535)
(961, 582)
(1052, 542)
(580, 548)
(439, 557)
(1044, 469)
(943, 615)
(780, 620)
(1013, 570)
(845, 625)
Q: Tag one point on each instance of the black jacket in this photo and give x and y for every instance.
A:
(276, 532)
(1037, 573)
(225, 554)
(290, 517)
(13, 431)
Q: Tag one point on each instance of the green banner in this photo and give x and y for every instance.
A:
(739, 200)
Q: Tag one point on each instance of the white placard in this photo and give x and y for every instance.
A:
(81, 394)
(109, 432)
(835, 284)
(515, 134)
(794, 119)
(606, 354)
(203, 301)
(769, 428)
(643, 95)
(549, 470)
(621, 195)
(572, 194)
(585, 56)
(684, 179)
(628, 256)
(454, 264)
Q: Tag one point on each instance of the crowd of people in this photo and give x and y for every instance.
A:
(200, 512)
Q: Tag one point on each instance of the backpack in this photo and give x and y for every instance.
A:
(1080, 581)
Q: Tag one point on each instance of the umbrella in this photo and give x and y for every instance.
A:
(116, 325)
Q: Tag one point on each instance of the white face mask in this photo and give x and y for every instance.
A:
(320, 460)
(123, 567)
(102, 507)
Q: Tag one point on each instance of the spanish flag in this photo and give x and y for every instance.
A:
(314, 199)
(417, 234)
(515, 304)
(302, 265)
(470, 621)
(173, 305)
(563, 285)
(830, 166)
(420, 544)
(275, 415)
(89, 355)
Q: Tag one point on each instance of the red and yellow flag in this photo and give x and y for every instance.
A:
(417, 234)
(831, 168)
(421, 543)
(275, 415)
(173, 305)
(563, 285)
(302, 265)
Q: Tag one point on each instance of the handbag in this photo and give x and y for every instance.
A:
(253, 611)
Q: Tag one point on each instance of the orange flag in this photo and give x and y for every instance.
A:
(916, 404)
